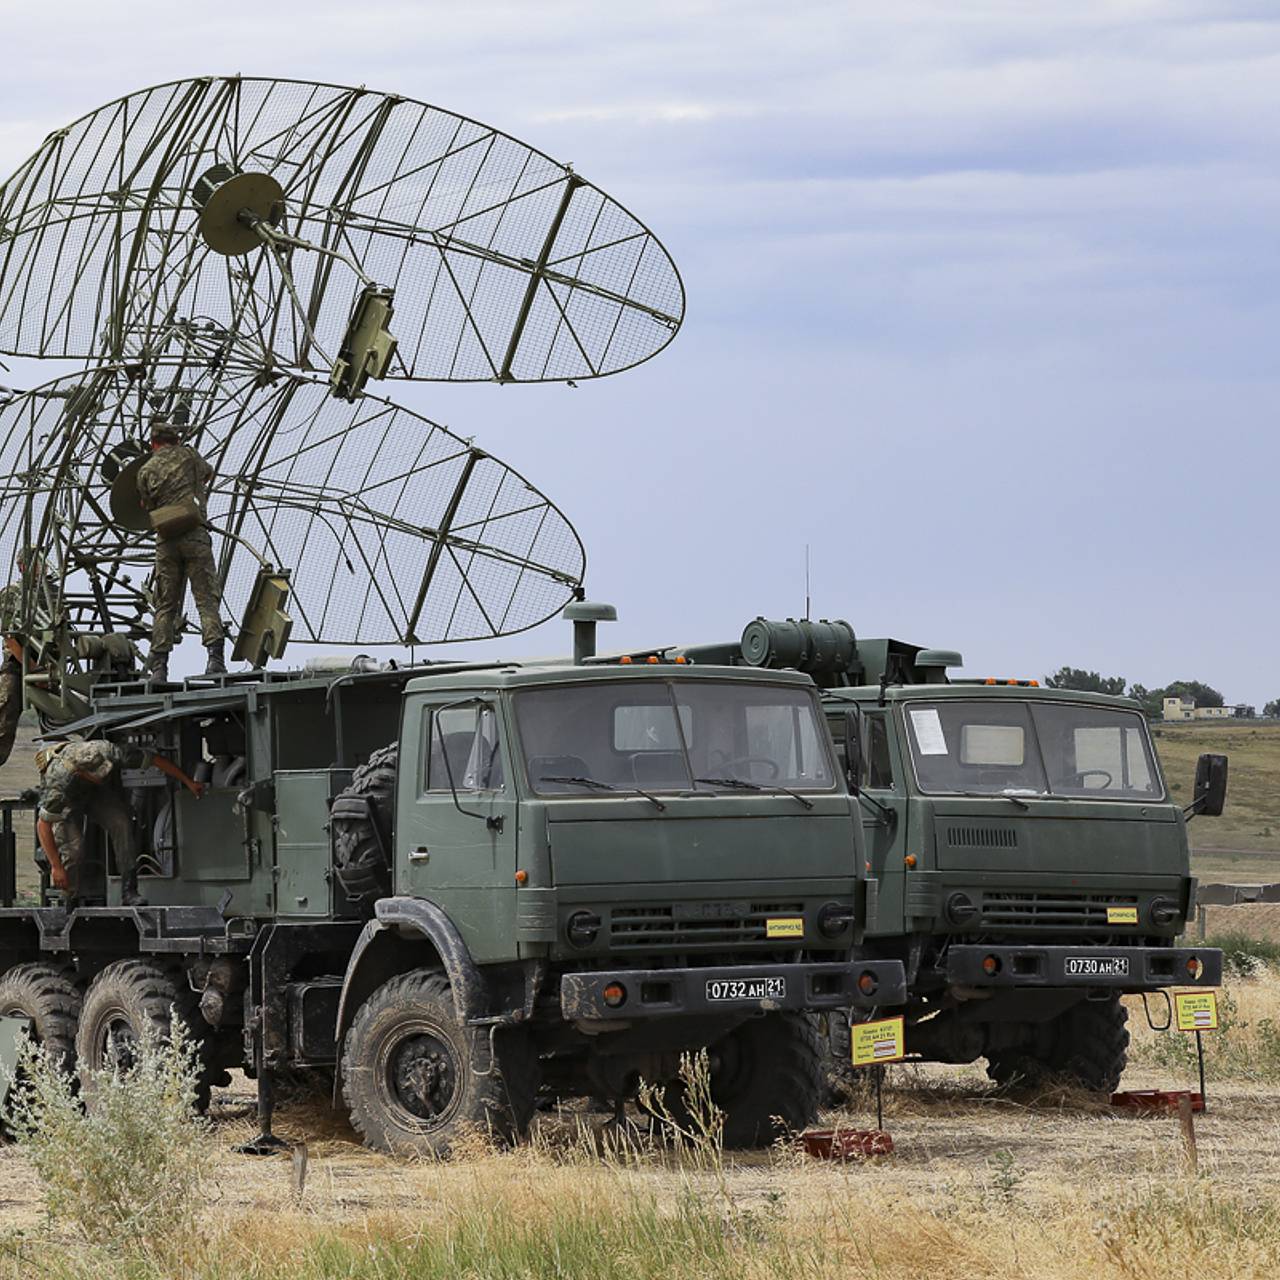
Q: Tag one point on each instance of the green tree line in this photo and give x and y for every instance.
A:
(1203, 695)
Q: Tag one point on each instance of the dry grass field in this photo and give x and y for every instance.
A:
(979, 1185)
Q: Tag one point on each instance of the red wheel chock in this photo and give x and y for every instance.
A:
(846, 1144)
(1156, 1099)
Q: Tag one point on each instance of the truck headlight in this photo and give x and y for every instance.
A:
(834, 919)
(1163, 911)
(960, 908)
(582, 928)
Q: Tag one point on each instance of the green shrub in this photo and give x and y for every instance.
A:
(1246, 957)
(127, 1168)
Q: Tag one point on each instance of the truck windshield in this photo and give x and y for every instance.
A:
(677, 735)
(1032, 749)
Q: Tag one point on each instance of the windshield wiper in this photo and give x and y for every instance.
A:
(993, 795)
(597, 785)
(743, 785)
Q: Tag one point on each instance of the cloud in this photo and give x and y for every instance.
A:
(982, 297)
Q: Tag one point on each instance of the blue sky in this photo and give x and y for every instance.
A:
(982, 300)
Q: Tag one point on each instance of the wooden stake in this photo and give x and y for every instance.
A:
(299, 1169)
(1185, 1119)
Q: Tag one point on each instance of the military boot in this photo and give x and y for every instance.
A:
(129, 894)
(217, 664)
(158, 668)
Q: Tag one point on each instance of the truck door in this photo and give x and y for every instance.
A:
(456, 828)
(885, 839)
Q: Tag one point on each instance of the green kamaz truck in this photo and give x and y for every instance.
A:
(1023, 855)
(466, 888)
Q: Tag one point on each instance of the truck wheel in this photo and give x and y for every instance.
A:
(125, 999)
(49, 998)
(1085, 1046)
(409, 1071)
(360, 821)
(767, 1078)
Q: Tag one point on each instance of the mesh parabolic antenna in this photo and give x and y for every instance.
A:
(273, 223)
(405, 532)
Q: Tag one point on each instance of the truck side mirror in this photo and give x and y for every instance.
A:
(1211, 785)
(853, 749)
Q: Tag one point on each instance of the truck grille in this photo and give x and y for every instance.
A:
(642, 928)
(982, 838)
(1043, 910)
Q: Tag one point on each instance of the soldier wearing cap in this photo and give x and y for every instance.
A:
(81, 780)
(174, 482)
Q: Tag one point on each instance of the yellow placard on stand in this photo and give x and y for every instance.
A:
(871, 1043)
(1196, 1010)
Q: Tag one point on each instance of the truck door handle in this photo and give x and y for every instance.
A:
(419, 853)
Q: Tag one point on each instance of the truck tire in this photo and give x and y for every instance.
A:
(767, 1076)
(1086, 1046)
(409, 1071)
(125, 999)
(360, 824)
(49, 997)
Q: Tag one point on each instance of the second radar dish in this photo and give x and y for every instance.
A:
(392, 529)
(320, 227)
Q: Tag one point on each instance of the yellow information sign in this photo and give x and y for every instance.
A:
(1196, 1010)
(785, 927)
(1122, 915)
(879, 1041)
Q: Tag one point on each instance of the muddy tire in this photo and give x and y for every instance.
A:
(416, 1081)
(767, 1076)
(49, 997)
(1087, 1047)
(128, 999)
(360, 824)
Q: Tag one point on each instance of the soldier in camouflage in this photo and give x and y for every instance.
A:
(80, 780)
(177, 476)
(10, 671)
(12, 667)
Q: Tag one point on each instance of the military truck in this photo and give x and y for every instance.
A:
(1024, 856)
(465, 888)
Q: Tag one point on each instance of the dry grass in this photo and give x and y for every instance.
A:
(979, 1185)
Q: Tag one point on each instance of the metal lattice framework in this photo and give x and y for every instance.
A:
(504, 264)
(408, 533)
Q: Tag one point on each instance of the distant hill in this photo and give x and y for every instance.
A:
(1244, 844)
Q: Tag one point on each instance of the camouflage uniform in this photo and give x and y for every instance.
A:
(10, 673)
(173, 475)
(68, 795)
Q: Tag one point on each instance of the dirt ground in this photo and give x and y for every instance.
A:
(954, 1137)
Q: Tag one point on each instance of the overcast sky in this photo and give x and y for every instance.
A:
(982, 300)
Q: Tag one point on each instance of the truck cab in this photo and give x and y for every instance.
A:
(1023, 856)
(1026, 861)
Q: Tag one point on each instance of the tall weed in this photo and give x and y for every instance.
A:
(128, 1167)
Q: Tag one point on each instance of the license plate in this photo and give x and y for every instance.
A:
(720, 990)
(1097, 966)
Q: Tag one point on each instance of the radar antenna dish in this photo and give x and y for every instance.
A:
(393, 529)
(277, 224)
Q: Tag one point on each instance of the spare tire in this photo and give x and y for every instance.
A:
(360, 828)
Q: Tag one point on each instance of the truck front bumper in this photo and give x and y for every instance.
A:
(1120, 968)
(656, 993)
